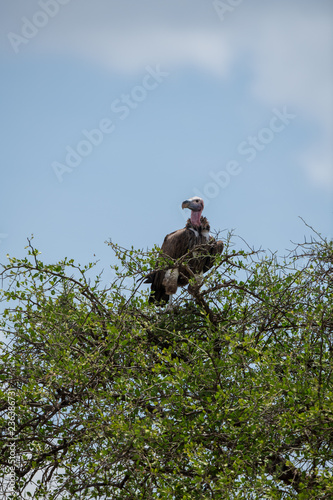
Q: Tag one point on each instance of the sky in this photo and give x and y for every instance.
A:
(114, 112)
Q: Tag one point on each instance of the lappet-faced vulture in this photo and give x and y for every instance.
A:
(195, 248)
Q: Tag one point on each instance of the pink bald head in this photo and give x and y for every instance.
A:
(196, 205)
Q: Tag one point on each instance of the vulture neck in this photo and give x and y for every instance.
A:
(195, 218)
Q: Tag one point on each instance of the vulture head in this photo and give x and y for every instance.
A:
(196, 205)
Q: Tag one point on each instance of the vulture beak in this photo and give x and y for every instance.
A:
(186, 204)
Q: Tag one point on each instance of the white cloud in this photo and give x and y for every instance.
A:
(131, 52)
(291, 51)
(317, 162)
(288, 46)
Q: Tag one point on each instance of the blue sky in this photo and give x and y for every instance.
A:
(231, 100)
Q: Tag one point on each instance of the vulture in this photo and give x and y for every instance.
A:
(192, 249)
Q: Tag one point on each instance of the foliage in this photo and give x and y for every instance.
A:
(226, 395)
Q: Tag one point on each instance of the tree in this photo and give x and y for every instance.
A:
(227, 395)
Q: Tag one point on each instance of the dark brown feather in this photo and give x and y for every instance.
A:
(183, 243)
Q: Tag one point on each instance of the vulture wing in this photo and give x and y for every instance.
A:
(176, 245)
(215, 247)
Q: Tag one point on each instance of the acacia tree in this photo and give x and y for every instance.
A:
(227, 395)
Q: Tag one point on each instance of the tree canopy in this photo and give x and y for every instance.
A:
(226, 395)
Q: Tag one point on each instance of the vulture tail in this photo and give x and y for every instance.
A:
(157, 293)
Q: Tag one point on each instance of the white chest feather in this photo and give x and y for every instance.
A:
(194, 231)
(205, 234)
(170, 281)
